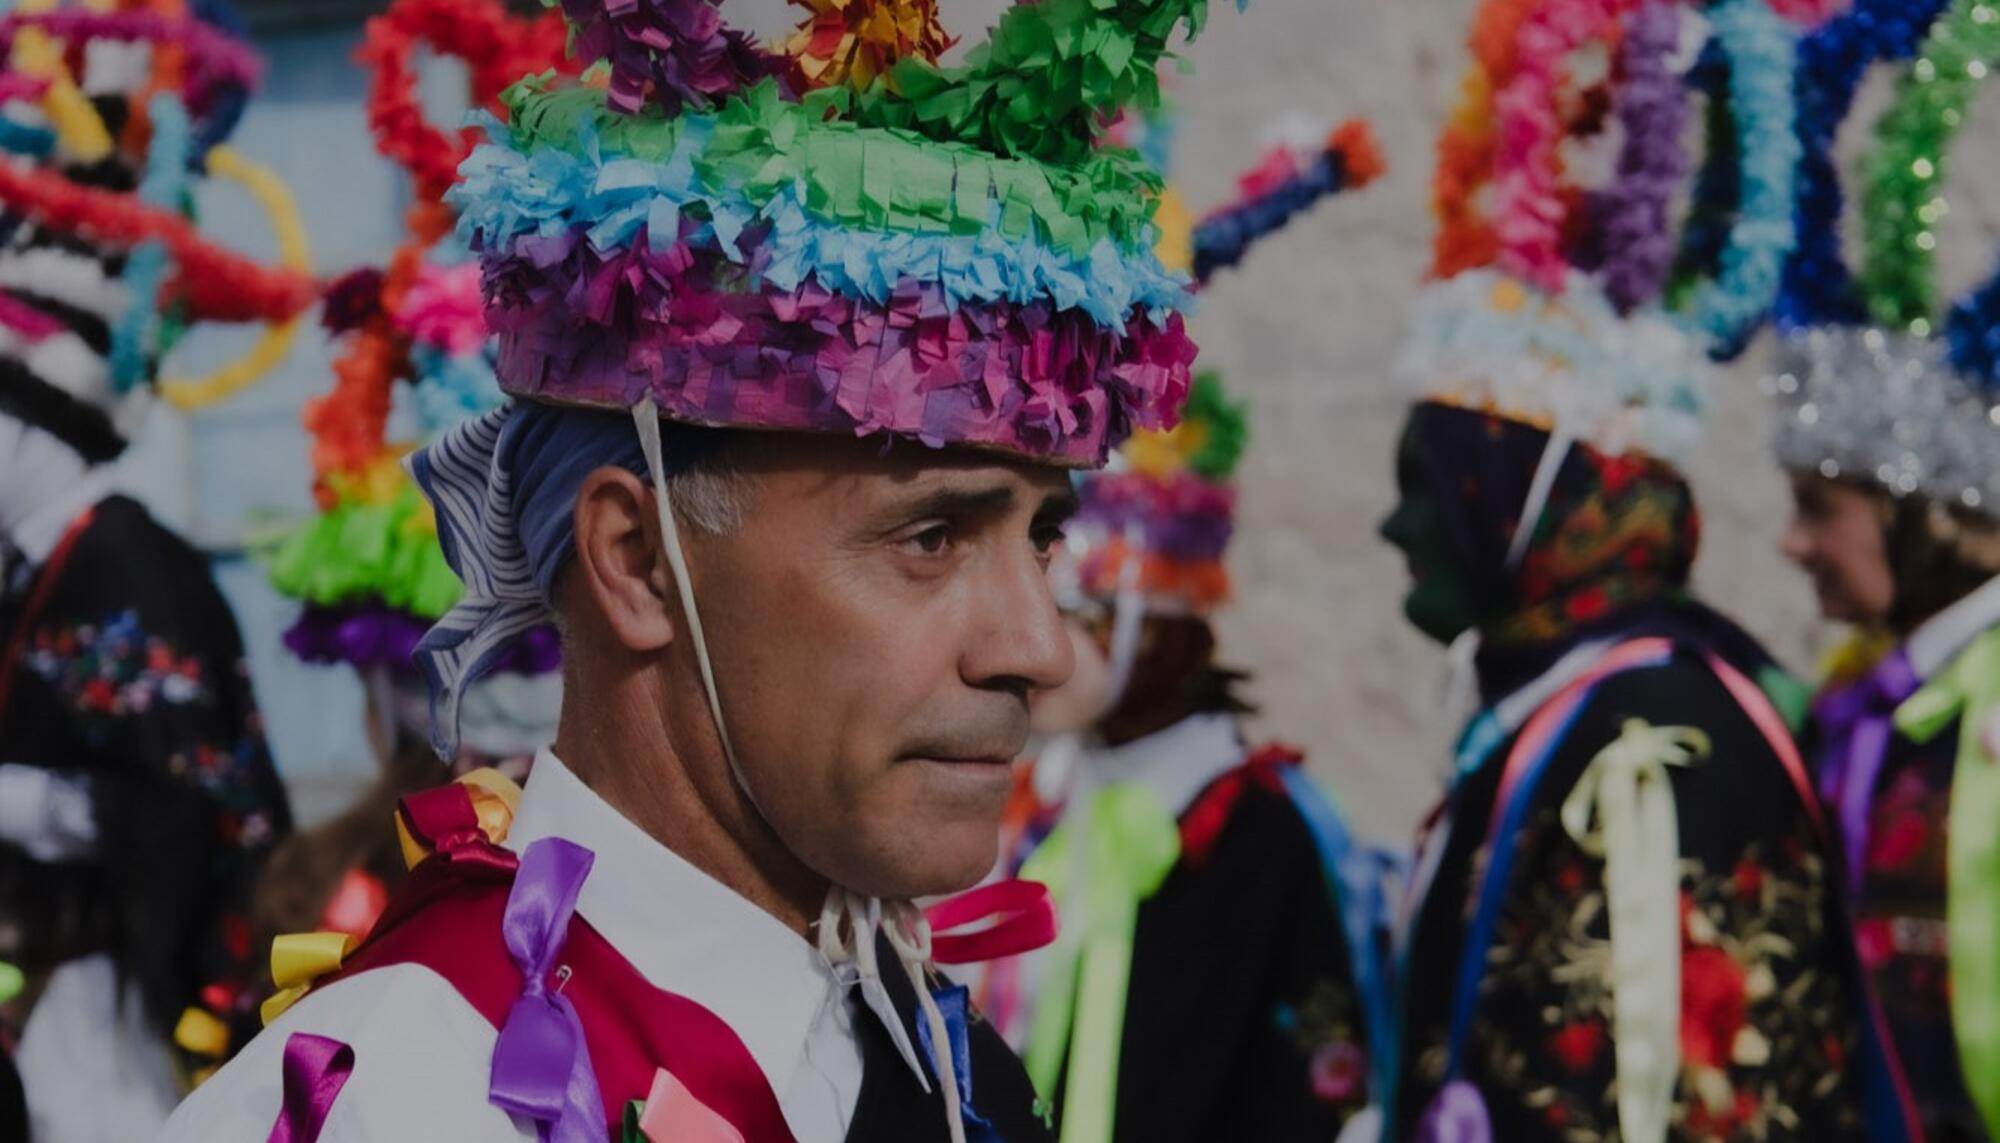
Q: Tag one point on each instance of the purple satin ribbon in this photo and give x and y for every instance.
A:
(541, 1064)
(315, 1069)
(1456, 1115)
(1859, 721)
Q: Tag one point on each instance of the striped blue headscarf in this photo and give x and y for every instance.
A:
(504, 486)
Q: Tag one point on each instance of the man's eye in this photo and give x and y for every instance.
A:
(932, 541)
(1049, 537)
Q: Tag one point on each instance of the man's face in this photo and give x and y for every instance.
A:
(878, 624)
(1837, 534)
(1439, 602)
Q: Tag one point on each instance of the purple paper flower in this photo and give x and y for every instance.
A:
(676, 54)
(366, 636)
(1636, 233)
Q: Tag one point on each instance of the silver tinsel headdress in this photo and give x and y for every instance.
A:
(1873, 385)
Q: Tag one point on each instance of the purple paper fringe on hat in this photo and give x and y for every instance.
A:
(578, 326)
(368, 636)
(673, 53)
(1185, 519)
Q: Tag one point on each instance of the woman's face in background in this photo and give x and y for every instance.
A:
(1838, 536)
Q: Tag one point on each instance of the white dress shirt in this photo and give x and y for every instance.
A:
(422, 1054)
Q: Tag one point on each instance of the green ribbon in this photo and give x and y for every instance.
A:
(1131, 842)
(1965, 694)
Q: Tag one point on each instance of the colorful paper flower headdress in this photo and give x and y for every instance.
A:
(1882, 383)
(846, 236)
(1158, 522)
(368, 568)
(1575, 302)
(110, 114)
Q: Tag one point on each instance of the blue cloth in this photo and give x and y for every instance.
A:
(505, 486)
(549, 449)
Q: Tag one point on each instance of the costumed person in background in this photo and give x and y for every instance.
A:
(1626, 917)
(802, 347)
(368, 568)
(137, 796)
(1886, 425)
(1205, 883)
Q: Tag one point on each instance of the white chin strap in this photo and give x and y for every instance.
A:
(646, 417)
(848, 922)
(1539, 491)
(1128, 618)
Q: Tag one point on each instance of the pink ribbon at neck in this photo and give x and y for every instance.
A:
(1003, 919)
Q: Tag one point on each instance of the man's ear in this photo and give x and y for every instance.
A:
(620, 564)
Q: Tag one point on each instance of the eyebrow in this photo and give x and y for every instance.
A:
(961, 502)
(1059, 507)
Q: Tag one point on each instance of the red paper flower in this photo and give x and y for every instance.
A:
(1748, 880)
(1336, 1071)
(1714, 1006)
(1578, 1045)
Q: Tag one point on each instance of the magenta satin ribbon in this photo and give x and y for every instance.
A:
(541, 1064)
(1859, 721)
(1006, 918)
(315, 1069)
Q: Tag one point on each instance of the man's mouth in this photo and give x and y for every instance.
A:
(972, 758)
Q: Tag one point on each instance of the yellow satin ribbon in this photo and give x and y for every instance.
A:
(1966, 694)
(1622, 810)
(202, 1032)
(297, 960)
(1131, 842)
(495, 797)
(294, 252)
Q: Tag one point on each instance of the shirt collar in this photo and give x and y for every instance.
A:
(1940, 638)
(684, 931)
(1177, 763)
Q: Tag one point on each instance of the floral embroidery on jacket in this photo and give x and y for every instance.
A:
(115, 670)
(1764, 1025)
(1326, 1030)
(115, 675)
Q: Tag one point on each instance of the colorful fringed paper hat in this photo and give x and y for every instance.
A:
(1881, 383)
(368, 567)
(110, 114)
(848, 238)
(1158, 521)
(1564, 295)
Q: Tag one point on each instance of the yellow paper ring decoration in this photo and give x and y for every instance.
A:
(294, 253)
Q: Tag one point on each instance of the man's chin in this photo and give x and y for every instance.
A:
(936, 863)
